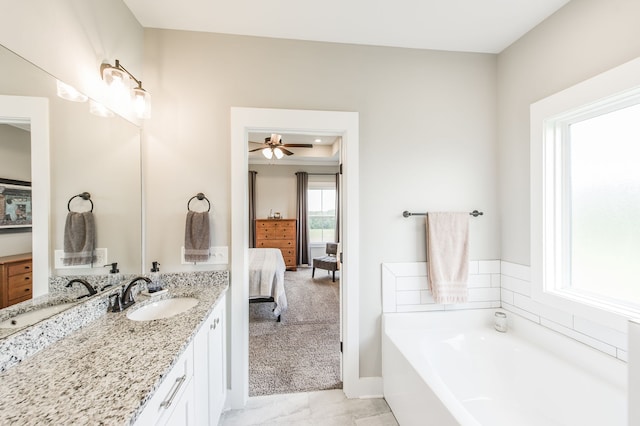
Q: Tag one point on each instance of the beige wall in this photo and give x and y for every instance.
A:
(427, 139)
(15, 153)
(583, 39)
(15, 163)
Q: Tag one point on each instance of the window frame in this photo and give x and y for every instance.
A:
(550, 218)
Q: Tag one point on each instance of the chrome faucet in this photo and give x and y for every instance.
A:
(126, 299)
(89, 287)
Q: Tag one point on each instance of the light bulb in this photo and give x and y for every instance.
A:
(141, 103)
(278, 152)
(69, 93)
(100, 110)
(267, 153)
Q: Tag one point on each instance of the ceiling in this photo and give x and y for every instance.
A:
(325, 151)
(487, 26)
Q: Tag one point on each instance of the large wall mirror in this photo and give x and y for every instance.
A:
(87, 153)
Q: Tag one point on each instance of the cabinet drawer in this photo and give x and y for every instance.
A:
(19, 268)
(19, 292)
(290, 260)
(168, 394)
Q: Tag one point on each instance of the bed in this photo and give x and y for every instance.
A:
(266, 278)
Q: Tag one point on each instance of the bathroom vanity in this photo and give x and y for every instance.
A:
(116, 370)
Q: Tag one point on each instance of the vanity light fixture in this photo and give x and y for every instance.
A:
(119, 79)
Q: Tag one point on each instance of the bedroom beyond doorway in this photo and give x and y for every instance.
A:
(302, 352)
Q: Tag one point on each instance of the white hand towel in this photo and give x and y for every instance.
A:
(448, 256)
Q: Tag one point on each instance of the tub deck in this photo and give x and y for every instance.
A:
(450, 368)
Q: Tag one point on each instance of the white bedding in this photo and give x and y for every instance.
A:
(266, 276)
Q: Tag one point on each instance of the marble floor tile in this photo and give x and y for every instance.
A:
(321, 408)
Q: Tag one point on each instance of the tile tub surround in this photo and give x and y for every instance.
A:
(405, 287)
(516, 298)
(493, 284)
(105, 372)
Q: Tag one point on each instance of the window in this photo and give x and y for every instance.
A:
(602, 157)
(322, 212)
(585, 198)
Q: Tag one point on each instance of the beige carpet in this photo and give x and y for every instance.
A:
(302, 352)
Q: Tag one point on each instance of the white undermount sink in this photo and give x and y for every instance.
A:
(162, 309)
(33, 316)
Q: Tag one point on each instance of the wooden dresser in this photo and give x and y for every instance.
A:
(278, 233)
(15, 279)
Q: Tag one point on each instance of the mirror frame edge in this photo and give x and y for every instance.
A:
(36, 110)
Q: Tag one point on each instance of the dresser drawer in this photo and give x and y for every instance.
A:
(281, 244)
(20, 292)
(275, 234)
(19, 268)
(290, 261)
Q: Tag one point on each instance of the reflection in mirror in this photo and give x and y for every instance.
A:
(87, 153)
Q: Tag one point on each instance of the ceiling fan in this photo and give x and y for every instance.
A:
(274, 146)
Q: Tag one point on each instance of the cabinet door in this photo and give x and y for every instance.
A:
(210, 384)
(217, 363)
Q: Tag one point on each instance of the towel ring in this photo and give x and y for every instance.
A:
(85, 196)
(199, 196)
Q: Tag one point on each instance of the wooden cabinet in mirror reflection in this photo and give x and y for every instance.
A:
(15, 279)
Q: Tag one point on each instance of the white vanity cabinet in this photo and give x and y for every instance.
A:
(210, 378)
(173, 402)
(194, 392)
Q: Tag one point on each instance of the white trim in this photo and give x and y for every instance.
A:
(36, 112)
(546, 243)
(345, 124)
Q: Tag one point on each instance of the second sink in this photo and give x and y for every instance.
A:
(162, 309)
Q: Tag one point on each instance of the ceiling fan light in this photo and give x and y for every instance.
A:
(278, 152)
(268, 153)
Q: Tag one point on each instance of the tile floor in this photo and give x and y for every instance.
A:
(321, 408)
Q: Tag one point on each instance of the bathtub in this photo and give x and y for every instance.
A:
(453, 368)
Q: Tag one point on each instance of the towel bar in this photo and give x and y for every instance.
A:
(85, 196)
(407, 213)
(199, 196)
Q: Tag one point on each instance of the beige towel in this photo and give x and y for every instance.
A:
(448, 256)
(79, 239)
(196, 237)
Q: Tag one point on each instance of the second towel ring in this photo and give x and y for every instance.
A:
(85, 196)
(199, 196)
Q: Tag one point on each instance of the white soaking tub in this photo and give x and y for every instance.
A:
(453, 368)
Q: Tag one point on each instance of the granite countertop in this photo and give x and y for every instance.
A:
(106, 372)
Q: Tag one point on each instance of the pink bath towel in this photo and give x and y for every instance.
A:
(448, 256)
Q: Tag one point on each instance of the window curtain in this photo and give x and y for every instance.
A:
(337, 207)
(252, 208)
(302, 216)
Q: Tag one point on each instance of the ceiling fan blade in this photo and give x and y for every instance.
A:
(298, 145)
(286, 151)
(257, 149)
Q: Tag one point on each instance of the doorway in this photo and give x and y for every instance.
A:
(345, 124)
(294, 210)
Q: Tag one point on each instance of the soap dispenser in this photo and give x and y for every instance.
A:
(155, 284)
(114, 275)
